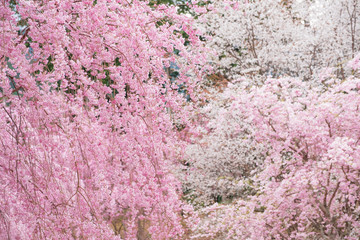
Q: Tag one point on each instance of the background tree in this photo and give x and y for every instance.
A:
(282, 38)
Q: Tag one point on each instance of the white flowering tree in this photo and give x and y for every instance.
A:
(277, 38)
(224, 153)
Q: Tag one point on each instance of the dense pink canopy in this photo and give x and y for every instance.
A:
(86, 133)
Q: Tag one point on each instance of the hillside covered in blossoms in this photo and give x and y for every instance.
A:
(180, 119)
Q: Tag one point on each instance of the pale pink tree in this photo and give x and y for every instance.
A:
(309, 188)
